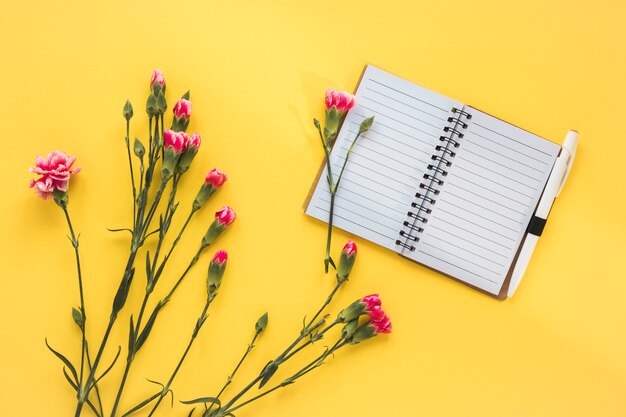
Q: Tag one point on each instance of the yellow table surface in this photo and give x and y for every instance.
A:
(257, 73)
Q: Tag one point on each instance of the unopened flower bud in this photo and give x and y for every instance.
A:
(216, 271)
(223, 219)
(348, 256)
(261, 323)
(128, 111)
(213, 181)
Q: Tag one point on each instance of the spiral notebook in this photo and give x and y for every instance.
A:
(437, 181)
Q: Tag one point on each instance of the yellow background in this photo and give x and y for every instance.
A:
(257, 73)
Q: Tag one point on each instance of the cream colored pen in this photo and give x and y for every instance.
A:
(557, 178)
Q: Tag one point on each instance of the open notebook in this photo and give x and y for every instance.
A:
(437, 181)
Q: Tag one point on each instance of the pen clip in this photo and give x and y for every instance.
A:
(568, 151)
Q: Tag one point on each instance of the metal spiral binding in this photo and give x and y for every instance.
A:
(429, 188)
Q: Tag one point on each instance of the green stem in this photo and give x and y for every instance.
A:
(328, 260)
(184, 274)
(318, 336)
(198, 326)
(132, 174)
(345, 161)
(326, 303)
(82, 296)
(309, 367)
(141, 404)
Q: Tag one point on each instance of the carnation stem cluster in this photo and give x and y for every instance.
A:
(156, 172)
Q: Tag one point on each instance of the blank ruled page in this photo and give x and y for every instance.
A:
(388, 162)
(487, 200)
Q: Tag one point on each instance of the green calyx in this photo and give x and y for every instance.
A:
(212, 234)
(346, 262)
(128, 111)
(186, 159)
(214, 278)
(362, 333)
(60, 197)
(352, 312)
(332, 123)
(261, 323)
(169, 163)
(206, 191)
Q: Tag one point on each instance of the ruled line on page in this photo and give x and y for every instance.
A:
(409, 95)
(488, 200)
(484, 148)
(360, 154)
(492, 191)
(501, 175)
(406, 104)
(427, 140)
(502, 165)
(471, 242)
(459, 257)
(399, 112)
(514, 140)
(464, 249)
(377, 133)
(454, 265)
(505, 147)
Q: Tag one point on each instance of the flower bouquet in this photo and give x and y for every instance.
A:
(156, 169)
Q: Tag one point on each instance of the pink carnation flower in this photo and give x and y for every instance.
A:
(55, 171)
(194, 141)
(349, 248)
(182, 108)
(220, 257)
(216, 178)
(176, 140)
(382, 326)
(341, 100)
(371, 301)
(225, 216)
(157, 77)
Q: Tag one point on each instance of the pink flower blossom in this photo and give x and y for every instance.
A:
(225, 216)
(376, 313)
(216, 178)
(194, 141)
(220, 257)
(371, 301)
(176, 140)
(157, 77)
(341, 100)
(182, 108)
(382, 326)
(350, 248)
(55, 171)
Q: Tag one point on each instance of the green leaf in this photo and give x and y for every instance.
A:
(122, 291)
(106, 371)
(268, 373)
(131, 339)
(78, 318)
(120, 230)
(148, 270)
(69, 379)
(204, 400)
(148, 327)
(191, 412)
(139, 149)
(64, 360)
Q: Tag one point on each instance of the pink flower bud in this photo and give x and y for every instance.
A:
(215, 178)
(55, 171)
(382, 326)
(220, 257)
(182, 108)
(371, 301)
(194, 141)
(349, 248)
(341, 100)
(157, 77)
(175, 140)
(225, 216)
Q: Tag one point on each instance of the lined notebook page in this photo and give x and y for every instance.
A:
(388, 162)
(487, 200)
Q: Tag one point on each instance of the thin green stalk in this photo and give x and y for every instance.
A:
(232, 375)
(132, 173)
(309, 367)
(143, 307)
(317, 337)
(326, 303)
(198, 326)
(81, 293)
(345, 161)
(141, 404)
(184, 274)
